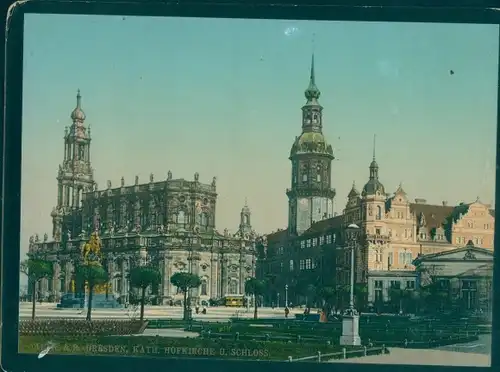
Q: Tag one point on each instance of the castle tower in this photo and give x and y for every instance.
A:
(310, 198)
(373, 256)
(373, 195)
(75, 174)
(245, 227)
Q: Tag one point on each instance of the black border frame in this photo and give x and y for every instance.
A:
(260, 9)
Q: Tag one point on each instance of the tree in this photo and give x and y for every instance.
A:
(142, 277)
(434, 291)
(255, 287)
(36, 270)
(328, 295)
(91, 274)
(361, 296)
(184, 282)
(271, 290)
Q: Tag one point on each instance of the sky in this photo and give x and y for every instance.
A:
(223, 98)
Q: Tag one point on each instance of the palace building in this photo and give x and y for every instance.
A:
(171, 221)
(394, 230)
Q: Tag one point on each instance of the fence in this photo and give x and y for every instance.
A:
(344, 354)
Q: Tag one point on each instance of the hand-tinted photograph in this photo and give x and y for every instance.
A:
(267, 190)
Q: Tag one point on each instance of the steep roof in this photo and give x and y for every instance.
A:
(434, 215)
(277, 236)
(325, 225)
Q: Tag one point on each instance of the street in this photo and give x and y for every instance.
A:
(49, 310)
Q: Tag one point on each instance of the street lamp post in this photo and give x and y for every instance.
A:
(350, 319)
(278, 300)
(286, 295)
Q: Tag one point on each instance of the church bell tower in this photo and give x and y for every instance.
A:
(75, 175)
(310, 198)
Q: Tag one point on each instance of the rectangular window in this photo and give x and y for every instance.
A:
(395, 284)
(379, 284)
(308, 264)
(377, 231)
(390, 258)
(281, 267)
(302, 244)
(301, 264)
(328, 239)
(291, 265)
(314, 242)
(308, 243)
(321, 240)
(410, 284)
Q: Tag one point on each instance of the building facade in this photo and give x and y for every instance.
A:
(394, 229)
(171, 221)
(298, 258)
(310, 197)
(464, 276)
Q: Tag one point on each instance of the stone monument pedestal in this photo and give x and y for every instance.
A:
(350, 330)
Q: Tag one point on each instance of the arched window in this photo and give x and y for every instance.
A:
(204, 219)
(304, 177)
(81, 152)
(245, 219)
(379, 212)
(204, 286)
(233, 287)
(181, 218)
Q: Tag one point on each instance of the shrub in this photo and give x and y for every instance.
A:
(67, 327)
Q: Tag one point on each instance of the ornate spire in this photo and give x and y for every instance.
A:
(400, 189)
(312, 92)
(78, 114)
(245, 208)
(354, 192)
(374, 145)
(374, 165)
(78, 99)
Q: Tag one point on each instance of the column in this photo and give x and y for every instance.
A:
(59, 194)
(68, 269)
(196, 271)
(224, 276)
(166, 275)
(242, 275)
(123, 276)
(56, 281)
(213, 277)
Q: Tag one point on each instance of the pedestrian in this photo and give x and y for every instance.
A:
(287, 311)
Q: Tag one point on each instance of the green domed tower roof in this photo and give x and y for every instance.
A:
(311, 143)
